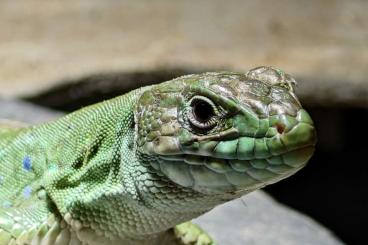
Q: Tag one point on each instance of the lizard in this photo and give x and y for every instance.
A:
(137, 168)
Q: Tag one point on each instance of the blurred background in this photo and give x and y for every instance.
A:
(66, 54)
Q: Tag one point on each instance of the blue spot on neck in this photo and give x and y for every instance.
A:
(27, 192)
(27, 164)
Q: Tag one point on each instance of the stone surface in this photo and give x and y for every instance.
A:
(23, 112)
(324, 43)
(254, 219)
(258, 219)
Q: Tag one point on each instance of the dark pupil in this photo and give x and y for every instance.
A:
(202, 111)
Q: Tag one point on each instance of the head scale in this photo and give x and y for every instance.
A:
(225, 132)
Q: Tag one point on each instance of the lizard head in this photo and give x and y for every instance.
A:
(225, 131)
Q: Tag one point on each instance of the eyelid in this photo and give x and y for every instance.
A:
(229, 104)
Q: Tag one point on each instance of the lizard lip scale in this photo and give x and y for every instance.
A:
(132, 169)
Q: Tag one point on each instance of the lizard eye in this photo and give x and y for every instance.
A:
(203, 113)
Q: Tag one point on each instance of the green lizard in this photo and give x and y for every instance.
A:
(135, 169)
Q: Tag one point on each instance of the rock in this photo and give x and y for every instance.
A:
(258, 219)
(322, 43)
(23, 112)
(253, 219)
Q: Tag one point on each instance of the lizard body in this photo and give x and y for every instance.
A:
(131, 169)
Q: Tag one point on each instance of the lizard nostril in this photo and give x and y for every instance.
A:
(280, 128)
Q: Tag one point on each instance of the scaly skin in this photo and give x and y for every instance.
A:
(129, 170)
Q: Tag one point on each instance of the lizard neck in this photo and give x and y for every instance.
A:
(82, 150)
(142, 204)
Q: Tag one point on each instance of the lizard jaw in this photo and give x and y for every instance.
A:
(209, 174)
